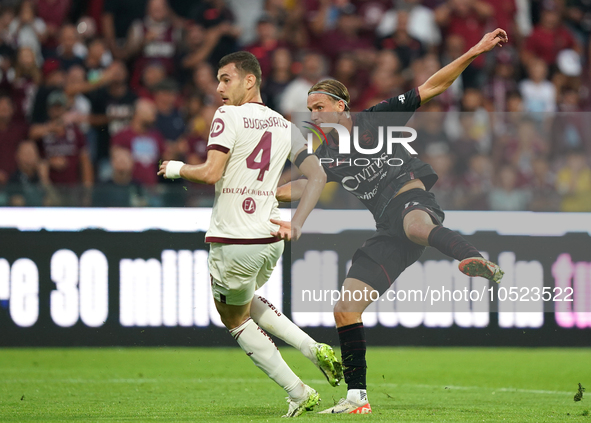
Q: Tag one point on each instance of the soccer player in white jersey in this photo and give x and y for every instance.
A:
(247, 149)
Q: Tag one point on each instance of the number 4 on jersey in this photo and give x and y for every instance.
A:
(264, 145)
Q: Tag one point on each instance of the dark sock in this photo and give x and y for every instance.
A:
(452, 244)
(352, 340)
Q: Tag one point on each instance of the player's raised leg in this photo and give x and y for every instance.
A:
(276, 323)
(420, 229)
(265, 355)
(347, 313)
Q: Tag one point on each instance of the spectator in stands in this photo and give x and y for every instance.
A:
(266, 43)
(215, 14)
(348, 71)
(313, 70)
(522, 150)
(407, 48)
(466, 18)
(121, 190)
(205, 81)
(112, 109)
(199, 128)
(197, 47)
(64, 147)
(29, 184)
(539, 94)
(12, 132)
(506, 195)
(470, 129)
(573, 183)
(541, 185)
(502, 81)
(54, 13)
(70, 51)
(23, 83)
(117, 19)
(443, 162)
(80, 106)
(278, 12)
(570, 129)
(504, 16)
(6, 17)
(549, 37)
(146, 144)
(421, 23)
(293, 29)
(384, 83)
(476, 183)
(387, 60)
(97, 59)
(27, 30)
(154, 73)
(346, 36)
(54, 79)
(169, 120)
(154, 39)
(278, 79)
(578, 17)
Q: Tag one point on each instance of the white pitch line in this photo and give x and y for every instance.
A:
(265, 380)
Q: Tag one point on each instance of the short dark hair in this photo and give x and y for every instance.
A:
(245, 62)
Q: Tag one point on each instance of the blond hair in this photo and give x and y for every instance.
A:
(332, 88)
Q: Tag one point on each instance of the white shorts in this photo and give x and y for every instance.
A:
(238, 270)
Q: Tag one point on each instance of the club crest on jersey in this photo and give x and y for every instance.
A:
(366, 139)
(401, 98)
(217, 127)
(249, 206)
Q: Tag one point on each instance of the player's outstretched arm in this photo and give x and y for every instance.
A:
(206, 173)
(443, 78)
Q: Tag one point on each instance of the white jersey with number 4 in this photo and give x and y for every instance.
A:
(259, 141)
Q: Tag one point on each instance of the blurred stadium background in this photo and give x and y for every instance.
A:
(95, 250)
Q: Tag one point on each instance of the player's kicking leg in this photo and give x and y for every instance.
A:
(347, 313)
(419, 228)
(277, 324)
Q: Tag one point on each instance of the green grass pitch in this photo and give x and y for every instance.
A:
(222, 385)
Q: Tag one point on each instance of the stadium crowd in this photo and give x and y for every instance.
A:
(94, 93)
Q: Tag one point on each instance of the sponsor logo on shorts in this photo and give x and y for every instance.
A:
(249, 206)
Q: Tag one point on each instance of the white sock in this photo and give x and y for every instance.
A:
(357, 396)
(273, 321)
(265, 355)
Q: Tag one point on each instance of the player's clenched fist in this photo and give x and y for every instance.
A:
(170, 169)
(492, 39)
